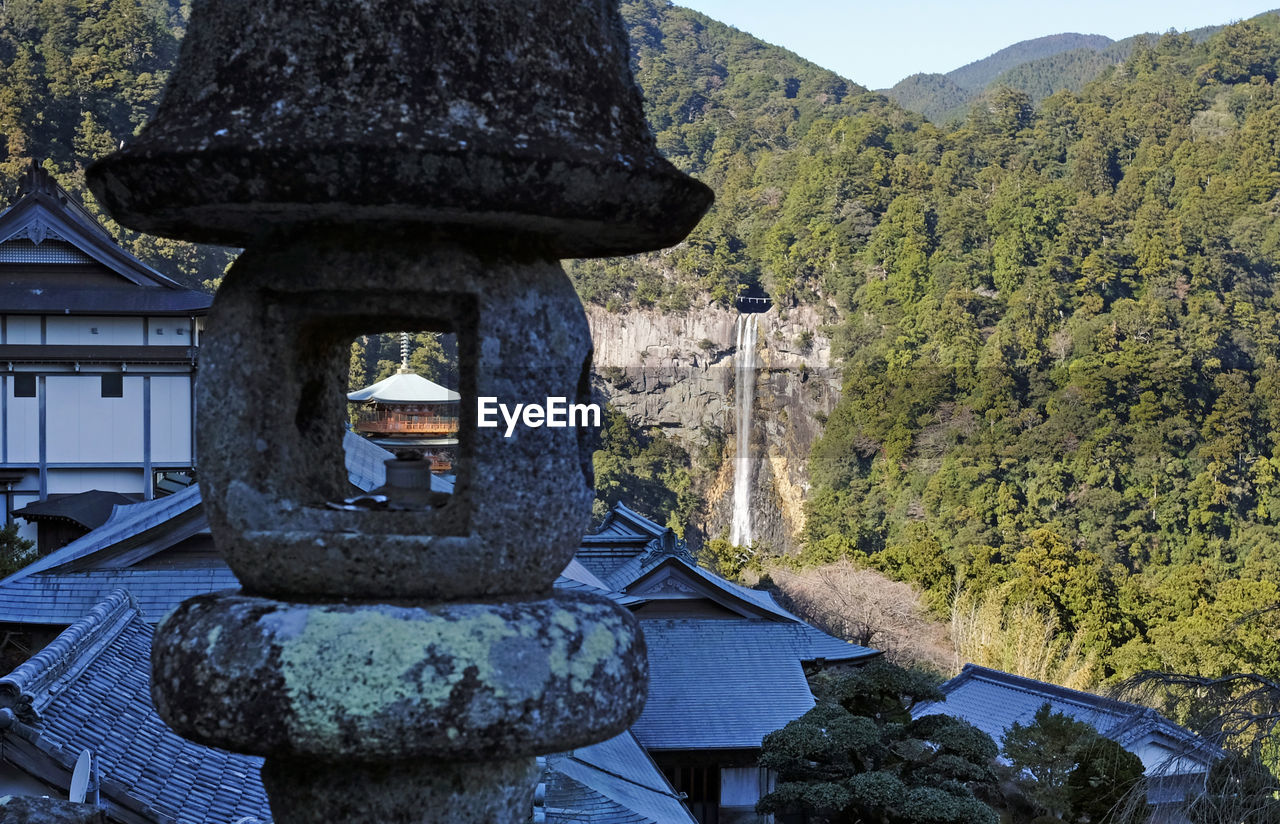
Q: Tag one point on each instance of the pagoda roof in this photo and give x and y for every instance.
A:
(405, 387)
(47, 226)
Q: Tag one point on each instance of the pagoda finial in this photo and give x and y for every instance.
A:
(404, 353)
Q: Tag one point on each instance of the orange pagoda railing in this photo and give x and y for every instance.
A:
(400, 423)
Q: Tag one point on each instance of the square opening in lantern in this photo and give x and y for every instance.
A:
(404, 401)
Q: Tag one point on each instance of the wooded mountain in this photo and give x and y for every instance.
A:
(1060, 336)
(943, 98)
(1061, 361)
(1038, 68)
(734, 111)
(979, 74)
(76, 78)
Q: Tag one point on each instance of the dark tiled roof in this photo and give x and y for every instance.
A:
(624, 535)
(80, 301)
(62, 598)
(90, 689)
(165, 518)
(727, 683)
(613, 782)
(577, 577)
(46, 212)
(63, 586)
(626, 525)
(89, 509)
(752, 601)
(571, 802)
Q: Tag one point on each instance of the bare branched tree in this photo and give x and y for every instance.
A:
(865, 607)
(1238, 712)
(1237, 717)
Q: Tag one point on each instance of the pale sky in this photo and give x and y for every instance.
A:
(877, 44)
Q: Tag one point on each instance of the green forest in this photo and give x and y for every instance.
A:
(1038, 67)
(1059, 317)
(1060, 327)
(78, 77)
(1060, 354)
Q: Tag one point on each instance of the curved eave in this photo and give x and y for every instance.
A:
(147, 300)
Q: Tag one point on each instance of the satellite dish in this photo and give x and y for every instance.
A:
(80, 778)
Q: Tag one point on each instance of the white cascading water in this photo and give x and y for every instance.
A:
(744, 362)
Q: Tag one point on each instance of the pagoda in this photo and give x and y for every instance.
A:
(408, 413)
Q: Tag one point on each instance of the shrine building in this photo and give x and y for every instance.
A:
(98, 356)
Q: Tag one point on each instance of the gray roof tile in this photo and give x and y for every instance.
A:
(90, 689)
(64, 597)
(126, 522)
(613, 782)
(993, 701)
(727, 683)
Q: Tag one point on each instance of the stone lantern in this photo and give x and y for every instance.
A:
(397, 164)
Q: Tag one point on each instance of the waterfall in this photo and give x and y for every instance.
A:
(744, 362)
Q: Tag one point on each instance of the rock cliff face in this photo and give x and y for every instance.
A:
(675, 371)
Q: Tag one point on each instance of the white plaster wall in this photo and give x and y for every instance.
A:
(22, 329)
(739, 786)
(82, 426)
(22, 425)
(79, 331)
(25, 529)
(168, 331)
(171, 419)
(1159, 759)
(69, 481)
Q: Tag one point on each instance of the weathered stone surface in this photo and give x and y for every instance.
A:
(370, 681)
(25, 810)
(400, 792)
(675, 370)
(276, 358)
(520, 119)
(397, 165)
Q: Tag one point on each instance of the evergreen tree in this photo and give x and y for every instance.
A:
(15, 551)
(1071, 773)
(858, 756)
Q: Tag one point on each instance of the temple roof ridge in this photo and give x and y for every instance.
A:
(27, 689)
(992, 699)
(126, 523)
(46, 211)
